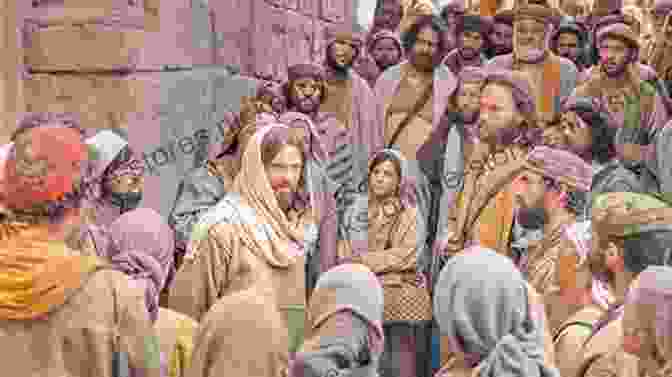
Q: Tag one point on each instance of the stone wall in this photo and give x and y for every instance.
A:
(163, 70)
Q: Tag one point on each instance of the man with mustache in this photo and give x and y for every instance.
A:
(554, 184)
(553, 77)
(634, 104)
(386, 51)
(412, 98)
(351, 101)
(451, 14)
(501, 38)
(570, 41)
(472, 37)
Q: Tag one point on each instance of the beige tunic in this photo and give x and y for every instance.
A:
(176, 340)
(222, 265)
(404, 298)
(570, 337)
(76, 340)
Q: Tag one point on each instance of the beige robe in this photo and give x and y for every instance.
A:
(223, 265)
(76, 340)
(241, 336)
(606, 342)
(455, 367)
(570, 338)
(176, 340)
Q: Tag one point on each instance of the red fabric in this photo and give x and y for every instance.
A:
(64, 151)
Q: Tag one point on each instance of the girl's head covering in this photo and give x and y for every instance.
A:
(483, 305)
(141, 244)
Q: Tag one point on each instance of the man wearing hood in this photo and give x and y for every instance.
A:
(570, 41)
(501, 38)
(386, 51)
(451, 14)
(553, 77)
(472, 37)
(350, 100)
(634, 104)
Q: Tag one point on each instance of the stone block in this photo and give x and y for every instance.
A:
(11, 68)
(300, 34)
(83, 48)
(101, 100)
(183, 38)
(233, 28)
(67, 12)
(176, 136)
(269, 41)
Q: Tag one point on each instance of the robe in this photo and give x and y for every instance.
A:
(456, 63)
(76, 339)
(223, 264)
(386, 90)
(570, 337)
(601, 344)
(176, 341)
(392, 252)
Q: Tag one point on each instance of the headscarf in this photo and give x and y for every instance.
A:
(407, 183)
(314, 145)
(109, 145)
(346, 36)
(140, 244)
(37, 273)
(347, 287)
(582, 41)
(382, 34)
(482, 304)
(650, 302)
(521, 87)
(623, 214)
(275, 239)
(562, 166)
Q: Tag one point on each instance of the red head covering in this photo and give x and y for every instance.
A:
(55, 157)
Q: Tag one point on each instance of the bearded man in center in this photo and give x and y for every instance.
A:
(553, 77)
(411, 100)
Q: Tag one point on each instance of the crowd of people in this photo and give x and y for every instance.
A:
(470, 192)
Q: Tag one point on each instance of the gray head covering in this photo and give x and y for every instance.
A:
(481, 303)
(345, 288)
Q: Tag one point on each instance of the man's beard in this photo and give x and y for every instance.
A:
(307, 105)
(337, 69)
(469, 53)
(614, 70)
(531, 54)
(597, 261)
(469, 117)
(385, 63)
(424, 63)
(531, 218)
(502, 49)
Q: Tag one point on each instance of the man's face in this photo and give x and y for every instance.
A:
(388, 16)
(579, 139)
(614, 54)
(568, 46)
(472, 42)
(530, 190)
(468, 101)
(386, 53)
(498, 113)
(425, 49)
(284, 174)
(341, 54)
(306, 93)
(554, 137)
(502, 39)
(384, 179)
(531, 36)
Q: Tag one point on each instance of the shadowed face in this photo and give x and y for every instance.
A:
(386, 53)
(384, 179)
(531, 38)
(341, 55)
(498, 113)
(472, 43)
(502, 39)
(284, 174)
(468, 101)
(425, 49)
(614, 54)
(306, 94)
(568, 46)
(388, 16)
